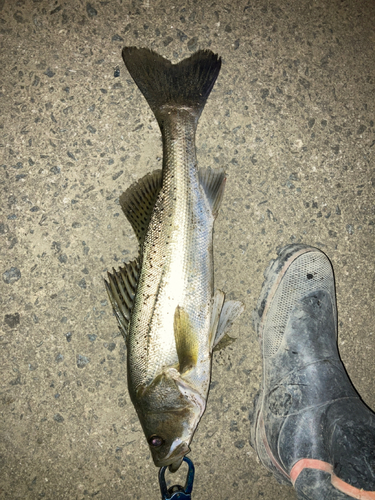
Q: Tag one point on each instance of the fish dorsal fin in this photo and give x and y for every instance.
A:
(121, 287)
(231, 310)
(213, 183)
(138, 202)
(187, 344)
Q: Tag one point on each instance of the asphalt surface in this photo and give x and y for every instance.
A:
(291, 118)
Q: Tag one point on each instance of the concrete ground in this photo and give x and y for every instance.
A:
(291, 118)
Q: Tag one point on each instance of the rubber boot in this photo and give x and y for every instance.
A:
(310, 427)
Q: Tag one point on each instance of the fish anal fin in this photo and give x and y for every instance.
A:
(231, 310)
(187, 345)
(138, 202)
(121, 287)
(213, 184)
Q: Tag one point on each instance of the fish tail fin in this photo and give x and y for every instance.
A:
(184, 85)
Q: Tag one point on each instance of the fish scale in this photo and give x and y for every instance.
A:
(179, 236)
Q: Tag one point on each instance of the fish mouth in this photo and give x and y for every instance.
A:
(174, 458)
(176, 465)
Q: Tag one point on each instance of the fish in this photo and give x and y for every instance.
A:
(164, 300)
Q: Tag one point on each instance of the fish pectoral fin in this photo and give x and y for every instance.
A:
(187, 344)
(230, 311)
(121, 287)
(213, 183)
(138, 202)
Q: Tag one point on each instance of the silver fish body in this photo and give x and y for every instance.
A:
(165, 301)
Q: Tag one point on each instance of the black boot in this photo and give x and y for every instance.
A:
(310, 427)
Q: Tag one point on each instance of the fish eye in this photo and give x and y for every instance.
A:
(155, 441)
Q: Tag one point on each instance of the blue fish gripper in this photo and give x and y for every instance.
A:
(177, 492)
